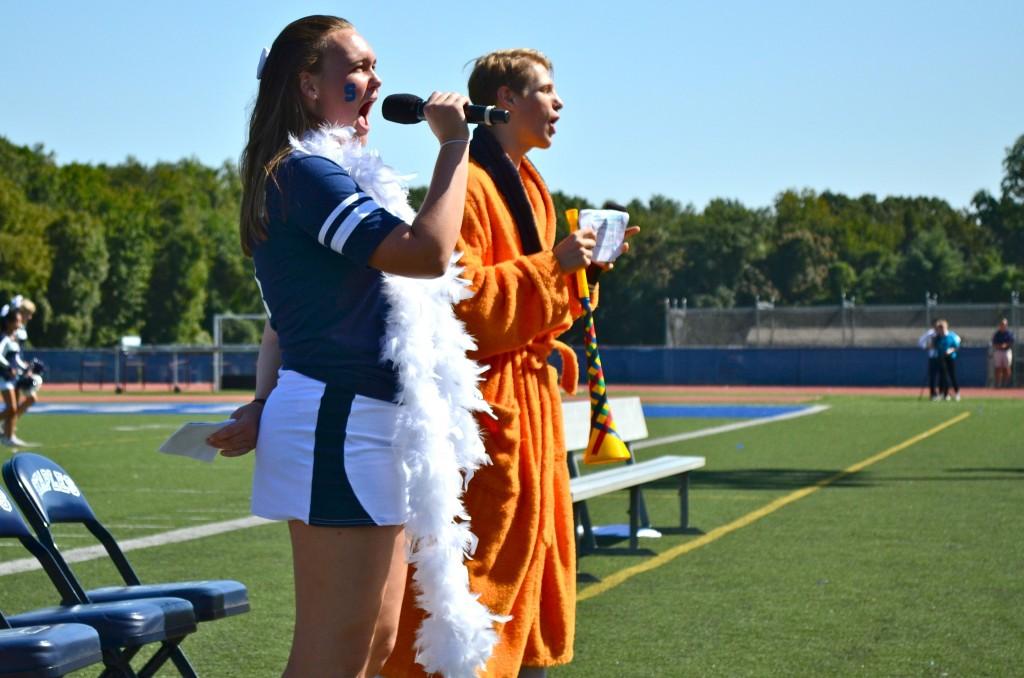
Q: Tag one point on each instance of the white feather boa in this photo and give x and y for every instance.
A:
(436, 434)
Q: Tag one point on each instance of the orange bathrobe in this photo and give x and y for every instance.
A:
(521, 511)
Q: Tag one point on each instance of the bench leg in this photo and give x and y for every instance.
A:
(589, 540)
(576, 533)
(581, 515)
(684, 500)
(586, 542)
(634, 518)
(645, 520)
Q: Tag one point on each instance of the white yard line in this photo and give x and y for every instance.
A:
(725, 428)
(160, 539)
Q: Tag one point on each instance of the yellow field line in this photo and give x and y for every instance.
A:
(613, 580)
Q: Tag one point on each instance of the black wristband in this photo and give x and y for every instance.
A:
(261, 401)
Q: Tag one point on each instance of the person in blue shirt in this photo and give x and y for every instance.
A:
(947, 345)
(1002, 355)
(325, 460)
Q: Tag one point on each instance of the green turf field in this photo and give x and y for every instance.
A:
(911, 567)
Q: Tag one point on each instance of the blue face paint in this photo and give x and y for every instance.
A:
(350, 92)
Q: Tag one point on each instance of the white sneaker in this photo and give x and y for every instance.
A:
(957, 397)
(18, 442)
(936, 398)
(947, 398)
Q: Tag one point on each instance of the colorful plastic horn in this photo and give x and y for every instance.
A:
(605, 446)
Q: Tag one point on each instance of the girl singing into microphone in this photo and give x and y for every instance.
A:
(353, 443)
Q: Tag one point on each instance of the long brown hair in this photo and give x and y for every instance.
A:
(277, 113)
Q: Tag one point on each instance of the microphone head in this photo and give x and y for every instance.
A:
(402, 108)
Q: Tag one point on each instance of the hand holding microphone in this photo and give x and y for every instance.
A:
(425, 247)
(409, 109)
(444, 112)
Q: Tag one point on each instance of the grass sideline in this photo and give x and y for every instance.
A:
(909, 567)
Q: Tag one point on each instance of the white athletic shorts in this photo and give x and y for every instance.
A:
(325, 457)
(1002, 358)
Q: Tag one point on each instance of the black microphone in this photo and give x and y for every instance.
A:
(407, 109)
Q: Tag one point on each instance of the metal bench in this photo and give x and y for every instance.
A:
(632, 427)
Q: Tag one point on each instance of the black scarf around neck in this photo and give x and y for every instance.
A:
(489, 154)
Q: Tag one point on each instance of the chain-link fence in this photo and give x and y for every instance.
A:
(843, 325)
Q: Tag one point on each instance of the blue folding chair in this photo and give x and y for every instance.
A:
(48, 651)
(47, 495)
(123, 627)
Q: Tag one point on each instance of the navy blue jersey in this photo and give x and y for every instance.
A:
(11, 364)
(324, 301)
(1003, 337)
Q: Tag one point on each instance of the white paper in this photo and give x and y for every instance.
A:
(190, 440)
(610, 226)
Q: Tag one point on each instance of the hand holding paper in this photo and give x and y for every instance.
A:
(610, 227)
(190, 440)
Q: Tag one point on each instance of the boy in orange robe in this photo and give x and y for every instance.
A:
(525, 297)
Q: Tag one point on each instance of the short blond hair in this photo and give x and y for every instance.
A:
(509, 67)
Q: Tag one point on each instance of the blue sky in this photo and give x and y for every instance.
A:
(693, 100)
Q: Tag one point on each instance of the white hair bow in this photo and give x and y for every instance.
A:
(263, 62)
(5, 310)
(16, 301)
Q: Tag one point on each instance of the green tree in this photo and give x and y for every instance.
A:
(803, 252)
(122, 310)
(931, 264)
(1003, 217)
(990, 278)
(33, 169)
(842, 279)
(1013, 164)
(879, 281)
(177, 290)
(25, 257)
(79, 269)
(799, 266)
(861, 229)
(725, 248)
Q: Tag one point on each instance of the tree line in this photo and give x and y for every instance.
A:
(113, 250)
